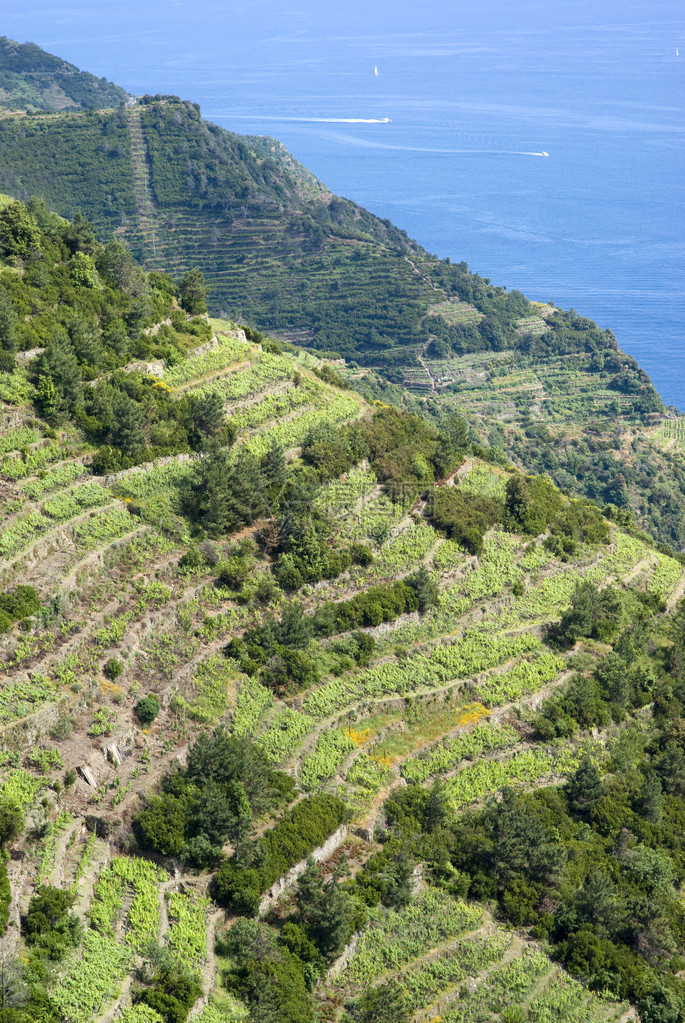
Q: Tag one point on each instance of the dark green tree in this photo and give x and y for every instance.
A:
(437, 807)
(147, 709)
(521, 844)
(59, 363)
(19, 233)
(78, 236)
(194, 291)
(327, 911)
(584, 788)
(127, 433)
(163, 822)
(119, 269)
(205, 416)
(11, 821)
(453, 443)
(425, 588)
(226, 492)
(8, 322)
(593, 613)
(175, 990)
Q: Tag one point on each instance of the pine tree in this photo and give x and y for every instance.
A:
(425, 587)
(650, 803)
(127, 426)
(8, 322)
(46, 397)
(386, 1003)
(437, 808)
(194, 293)
(584, 788)
(325, 909)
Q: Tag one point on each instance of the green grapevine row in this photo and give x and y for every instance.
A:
(253, 701)
(91, 978)
(448, 753)
(461, 659)
(287, 729)
(483, 778)
(521, 680)
(368, 774)
(61, 476)
(483, 479)
(187, 937)
(290, 433)
(229, 350)
(264, 371)
(395, 937)
(333, 747)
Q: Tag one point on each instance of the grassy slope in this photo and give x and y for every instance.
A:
(465, 665)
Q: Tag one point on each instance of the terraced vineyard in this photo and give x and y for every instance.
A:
(478, 652)
(280, 646)
(432, 948)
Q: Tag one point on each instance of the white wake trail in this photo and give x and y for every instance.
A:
(306, 120)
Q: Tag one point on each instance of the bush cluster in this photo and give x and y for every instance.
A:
(292, 838)
(21, 602)
(227, 782)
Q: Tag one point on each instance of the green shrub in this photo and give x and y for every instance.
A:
(465, 518)
(5, 895)
(147, 709)
(22, 602)
(292, 838)
(49, 926)
(113, 669)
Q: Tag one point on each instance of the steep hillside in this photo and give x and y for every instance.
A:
(31, 79)
(576, 411)
(277, 248)
(247, 617)
(279, 251)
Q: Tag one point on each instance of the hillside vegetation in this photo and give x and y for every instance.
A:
(312, 710)
(31, 79)
(282, 253)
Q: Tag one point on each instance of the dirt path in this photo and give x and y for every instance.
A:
(142, 186)
(675, 597)
(101, 857)
(235, 367)
(209, 969)
(642, 566)
(427, 280)
(427, 369)
(62, 851)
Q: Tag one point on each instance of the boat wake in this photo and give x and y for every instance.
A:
(305, 120)
(372, 143)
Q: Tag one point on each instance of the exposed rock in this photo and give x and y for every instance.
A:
(112, 754)
(87, 775)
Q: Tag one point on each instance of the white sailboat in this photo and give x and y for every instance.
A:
(375, 71)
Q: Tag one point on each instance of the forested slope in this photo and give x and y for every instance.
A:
(31, 79)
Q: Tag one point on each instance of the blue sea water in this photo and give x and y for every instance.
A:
(473, 93)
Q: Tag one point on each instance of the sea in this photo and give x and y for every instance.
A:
(541, 142)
